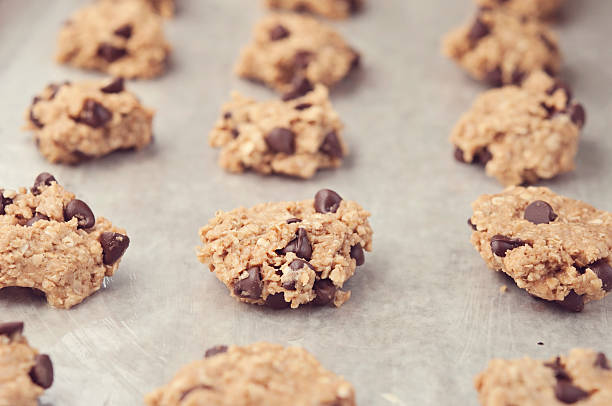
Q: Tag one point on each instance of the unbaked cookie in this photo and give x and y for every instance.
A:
(73, 122)
(501, 48)
(295, 137)
(288, 253)
(327, 8)
(24, 373)
(554, 247)
(290, 49)
(521, 134)
(528, 8)
(582, 378)
(260, 374)
(122, 38)
(52, 242)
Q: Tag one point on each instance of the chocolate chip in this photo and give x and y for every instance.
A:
(216, 350)
(603, 270)
(550, 71)
(577, 114)
(302, 59)
(482, 156)
(195, 388)
(289, 285)
(79, 209)
(251, 286)
(572, 302)
(300, 86)
(517, 77)
(33, 119)
(550, 45)
(11, 327)
(550, 110)
(354, 5)
(560, 85)
(277, 301)
(4, 201)
(601, 361)
(558, 370)
(124, 31)
(56, 87)
(42, 371)
(300, 245)
(472, 225)
(94, 114)
(569, 393)
(494, 77)
(458, 154)
(281, 140)
(110, 53)
(540, 212)
(355, 60)
(303, 106)
(37, 216)
(298, 264)
(235, 132)
(325, 291)
(227, 115)
(44, 179)
(331, 145)
(500, 244)
(327, 201)
(116, 86)
(113, 246)
(294, 220)
(357, 254)
(479, 30)
(278, 32)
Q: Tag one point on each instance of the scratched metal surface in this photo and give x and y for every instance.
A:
(425, 315)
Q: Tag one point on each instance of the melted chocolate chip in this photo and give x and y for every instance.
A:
(79, 209)
(277, 301)
(568, 393)
(501, 244)
(303, 106)
(116, 86)
(300, 245)
(558, 369)
(281, 140)
(540, 212)
(43, 179)
(11, 327)
(37, 217)
(42, 371)
(110, 53)
(357, 254)
(216, 350)
(479, 30)
(300, 86)
(251, 286)
(125, 31)
(331, 145)
(235, 132)
(572, 302)
(577, 114)
(601, 361)
(327, 201)
(603, 270)
(114, 246)
(94, 114)
(279, 32)
(325, 292)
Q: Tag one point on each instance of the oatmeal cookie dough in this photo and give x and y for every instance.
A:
(24, 373)
(288, 253)
(122, 38)
(260, 374)
(521, 134)
(295, 137)
(291, 51)
(502, 48)
(52, 242)
(528, 8)
(583, 378)
(330, 9)
(554, 247)
(73, 122)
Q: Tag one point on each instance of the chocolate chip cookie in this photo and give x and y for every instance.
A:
(73, 122)
(24, 373)
(293, 137)
(122, 38)
(327, 8)
(290, 52)
(502, 48)
(583, 378)
(521, 134)
(255, 375)
(52, 242)
(528, 8)
(288, 253)
(556, 248)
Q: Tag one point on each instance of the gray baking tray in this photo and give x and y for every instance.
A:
(426, 314)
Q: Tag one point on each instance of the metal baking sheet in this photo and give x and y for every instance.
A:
(426, 314)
